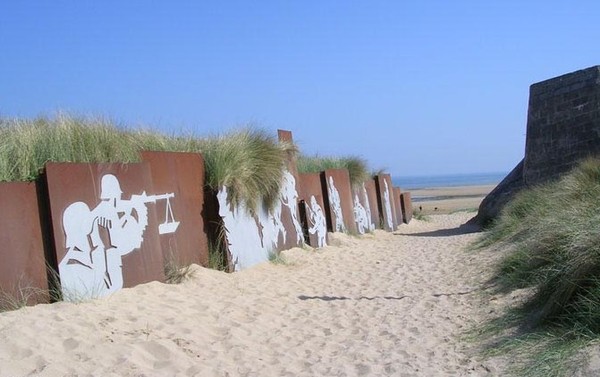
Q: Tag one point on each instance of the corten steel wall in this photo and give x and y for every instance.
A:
(406, 203)
(372, 193)
(22, 260)
(183, 175)
(362, 209)
(251, 235)
(310, 186)
(385, 201)
(563, 124)
(79, 185)
(398, 206)
(341, 183)
(290, 214)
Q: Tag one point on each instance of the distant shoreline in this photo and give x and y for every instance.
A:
(442, 200)
(412, 183)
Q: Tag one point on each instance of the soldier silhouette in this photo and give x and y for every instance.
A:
(97, 239)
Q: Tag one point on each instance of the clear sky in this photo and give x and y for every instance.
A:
(417, 87)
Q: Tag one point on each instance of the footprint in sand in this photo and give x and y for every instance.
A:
(70, 344)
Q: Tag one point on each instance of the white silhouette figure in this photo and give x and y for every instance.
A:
(336, 206)
(92, 266)
(289, 198)
(245, 244)
(388, 206)
(271, 225)
(360, 216)
(368, 209)
(317, 222)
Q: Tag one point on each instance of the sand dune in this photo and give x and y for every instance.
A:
(381, 305)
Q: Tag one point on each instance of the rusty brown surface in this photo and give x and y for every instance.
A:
(362, 209)
(23, 264)
(79, 182)
(290, 211)
(291, 161)
(407, 209)
(382, 181)
(310, 186)
(372, 194)
(183, 175)
(341, 181)
(398, 205)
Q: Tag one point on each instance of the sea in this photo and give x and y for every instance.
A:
(447, 180)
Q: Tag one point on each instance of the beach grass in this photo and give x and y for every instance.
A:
(551, 237)
(21, 295)
(175, 271)
(248, 161)
(357, 167)
(278, 259)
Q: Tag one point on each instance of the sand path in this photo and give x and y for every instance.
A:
(380, 305)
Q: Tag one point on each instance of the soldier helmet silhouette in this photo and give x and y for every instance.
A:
(110, 187)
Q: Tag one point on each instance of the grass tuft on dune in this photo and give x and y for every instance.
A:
(551, 237)
(248, 161)
(356, 166)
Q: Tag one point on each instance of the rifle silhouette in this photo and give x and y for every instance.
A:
(170, 225)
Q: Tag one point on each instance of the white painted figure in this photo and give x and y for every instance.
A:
(92, 265)
(368, 209)
(388, 206)
(360, 216)
(245, 243)
(317, 222)
(252, 238)
(271, 225)
(336, 206)
(289, 198)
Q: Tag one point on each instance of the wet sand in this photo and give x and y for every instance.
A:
(449, 199)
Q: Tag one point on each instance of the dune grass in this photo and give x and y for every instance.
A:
(248, 161)
(356, 166)
(551, 237)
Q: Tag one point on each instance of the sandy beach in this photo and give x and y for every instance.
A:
(380, 305)
(444, 200)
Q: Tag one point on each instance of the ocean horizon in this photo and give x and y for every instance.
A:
(447, 180)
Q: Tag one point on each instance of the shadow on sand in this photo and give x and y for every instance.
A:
(342, 298)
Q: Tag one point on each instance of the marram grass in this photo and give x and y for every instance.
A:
(553, 232)
(357, 167)
(550, 235)
(249, 162)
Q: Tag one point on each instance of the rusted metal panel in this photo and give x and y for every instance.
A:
(371, 189)
(22, 260)
(251, 235)
(407, 209)
(106, 232)
(313, 209)
(183, 175)
(385, 201)
(398, 206)
(338, 198)
(291, 163)
(363, 211)
(288, 211)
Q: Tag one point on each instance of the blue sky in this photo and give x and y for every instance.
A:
(416, 87)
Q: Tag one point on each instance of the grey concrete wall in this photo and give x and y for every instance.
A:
(563, 127)
(563, 124)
